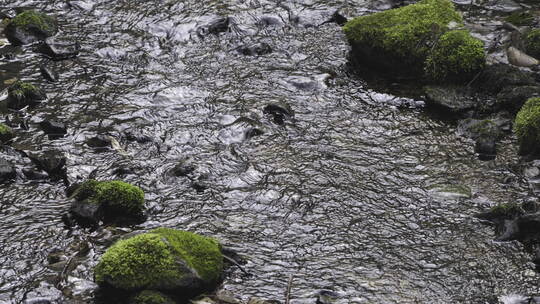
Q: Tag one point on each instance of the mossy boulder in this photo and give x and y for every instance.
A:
(30, 26)
(108, 201)
(6, 133)
(22, 94)
(177, 263)
(527, 127)
(456, 54)
(151, 297)
(532, 43)
(417, 40)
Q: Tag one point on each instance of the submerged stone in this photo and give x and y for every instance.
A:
(418, 40)
(453, 98)
(109, 201)
(30, 26)
(527, 127)
(7, 171)
(22, 94)
(175, 262)
(59, 50)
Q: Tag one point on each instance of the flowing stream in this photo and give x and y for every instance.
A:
(360, 191)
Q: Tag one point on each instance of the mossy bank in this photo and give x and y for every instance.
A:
(527, 127)
(175, 262)
(426, 39)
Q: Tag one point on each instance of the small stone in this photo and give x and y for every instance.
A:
(53, 129)
(226, 297)
(531, 172)
(59, 50)
(52, 162)
(6, 133)
(183, 168)
(100, 141)
(278, 112)
(258, 49)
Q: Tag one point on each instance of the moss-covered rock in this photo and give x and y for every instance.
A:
(456, 54)
(527, 127)
(30, 26)
(404, 38)
(172, 261)
(521, 18)
(22, 94)
(532, 43)
(110, 201)
(151, 297)
(6, 133)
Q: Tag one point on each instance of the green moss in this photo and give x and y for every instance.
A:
(456, 54)
(118, 196)
(520, 18)
(419, 36)
(532, 43)
(6, 133)
(30, 20)
(22, 90)
(151, 297)
(201, 253)
(527, 126)
(150, 260)
(405, 32)
(139, 262)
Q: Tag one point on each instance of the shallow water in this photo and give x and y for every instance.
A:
(352, 194)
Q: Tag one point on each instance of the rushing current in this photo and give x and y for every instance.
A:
(361, 191)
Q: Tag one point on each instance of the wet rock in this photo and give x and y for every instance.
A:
(6, 133)
(266, 21)
(253, 132)
(219, 25)
(519, 58)
(513, 98)
(7, 171)
(172, 261)
(53, 129)
(40, 300)
(279, 112)
(494, 78)
(327, 297)
(226, 297)
(255, 50)
(22, 94)
(337, 18)
(485, 132)
(30, 26)
(52, 162)
(184, 167)
(199, 186)
(451, 98)
(109, 201)
(48, 73)
(33, 174)
(100, 142)
(59, 50)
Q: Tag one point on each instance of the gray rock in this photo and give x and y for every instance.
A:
(452, 98)
(7, 171)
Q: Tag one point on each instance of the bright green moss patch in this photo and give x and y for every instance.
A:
(151, 297)
(520, 18)
(409, 35)
(201, 253)
(142, 261)
(456, 54)
(527, 127)
(404, 31)
(532, 43)
(32, 20)
(6, 133)
(162, 259)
